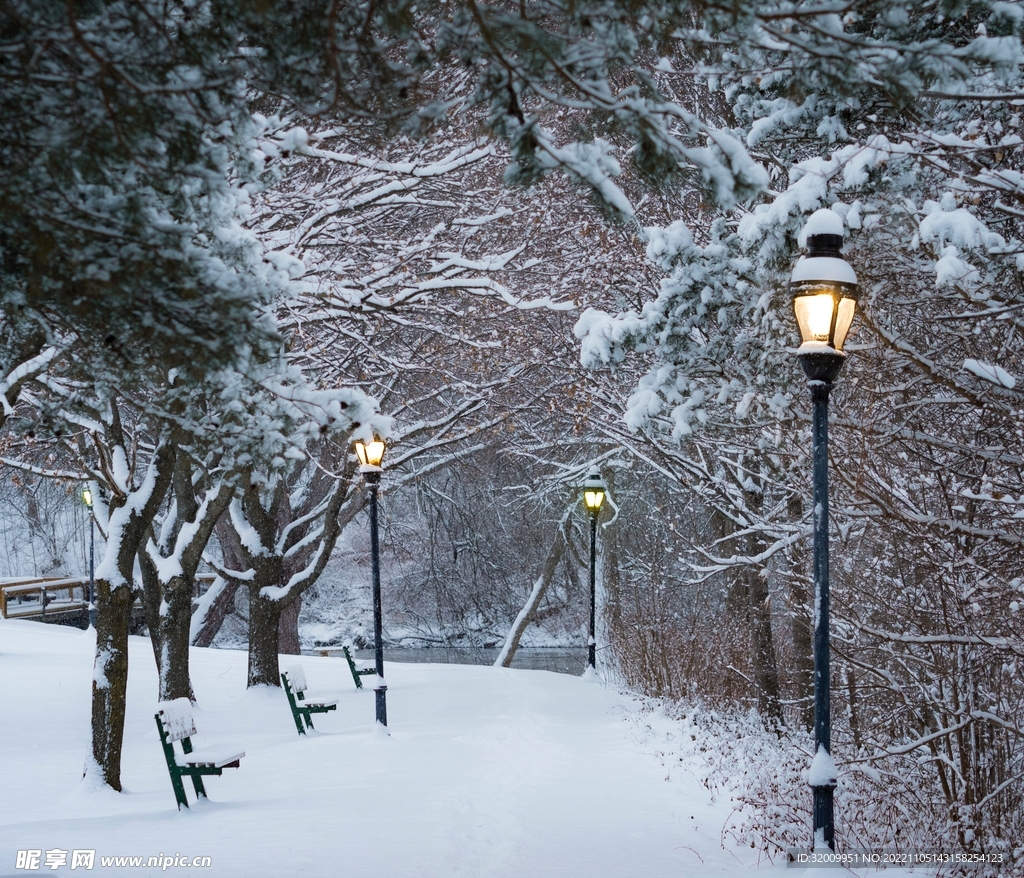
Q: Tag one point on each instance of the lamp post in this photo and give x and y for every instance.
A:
(594, 489)
(87, 499)
(370, 456)
(824, 289)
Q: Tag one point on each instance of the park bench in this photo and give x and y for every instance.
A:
(294, 681)
(358, 671)
(175, 723)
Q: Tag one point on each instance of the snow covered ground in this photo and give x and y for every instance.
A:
(486, 772)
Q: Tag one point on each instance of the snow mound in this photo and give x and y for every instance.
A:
(822, 222)
(823, 772)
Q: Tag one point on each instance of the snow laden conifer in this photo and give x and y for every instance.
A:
(120, 224)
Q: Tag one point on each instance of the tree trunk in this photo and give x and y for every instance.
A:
(802, 630)
(216, 612)
(173, 660)
(264, 626)
(288, 629)
(113, 615)
(169, 604)
(759, 607)
(528, 611)
(224, 603)
(168, 629)
(766, 673)
(110, 679)
(152, 596)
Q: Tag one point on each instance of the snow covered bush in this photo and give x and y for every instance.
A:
(881, 805)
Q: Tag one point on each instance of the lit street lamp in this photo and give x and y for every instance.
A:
(370, 456)
(824, 289)
(87, 499)
(594, 489)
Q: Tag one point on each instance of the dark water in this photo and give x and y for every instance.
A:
(562, 661)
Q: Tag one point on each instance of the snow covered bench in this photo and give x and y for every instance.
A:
(294, 681)
(358, 671)
(175, 723)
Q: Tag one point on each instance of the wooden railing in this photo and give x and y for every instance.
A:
(41, 596)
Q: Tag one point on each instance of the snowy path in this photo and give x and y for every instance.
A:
(486, 772)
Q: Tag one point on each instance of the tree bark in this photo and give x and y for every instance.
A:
(173, 661)
(801, 631)
(223, 604)
(264, 626)
(288, 628)
(169, 604)
(113, 614)
(151, 597)
(766, 672)
(168, 608)
(110, 679)
(529, 610)
(217, 611)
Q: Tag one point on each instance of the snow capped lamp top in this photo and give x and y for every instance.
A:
(370, 454)
(594, 489)
(824, 287)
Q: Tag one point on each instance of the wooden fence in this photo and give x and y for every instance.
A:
(41, 596)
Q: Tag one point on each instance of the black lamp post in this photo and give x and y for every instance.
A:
(370, 455)
(824, 289)
(87, 499)
(594, 489)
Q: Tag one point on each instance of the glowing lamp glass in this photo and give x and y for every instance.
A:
(594, 489)
(593, 499)
(844, 318)
(87, 497)
(370, 453)
(814, 316)
(824, 318)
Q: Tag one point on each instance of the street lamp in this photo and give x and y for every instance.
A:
(824, 289)
(87, 499)
(370, 455)
(594, 489)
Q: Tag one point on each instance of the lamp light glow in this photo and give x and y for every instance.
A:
(594, 489)
(370, 453)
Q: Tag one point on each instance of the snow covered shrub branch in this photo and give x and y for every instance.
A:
(882, 802)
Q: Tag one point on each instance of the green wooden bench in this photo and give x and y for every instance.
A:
(175, 723)
(358, 672)
(294, 682)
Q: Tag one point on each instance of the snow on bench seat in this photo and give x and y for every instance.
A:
(211, 757)
(316, 701)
